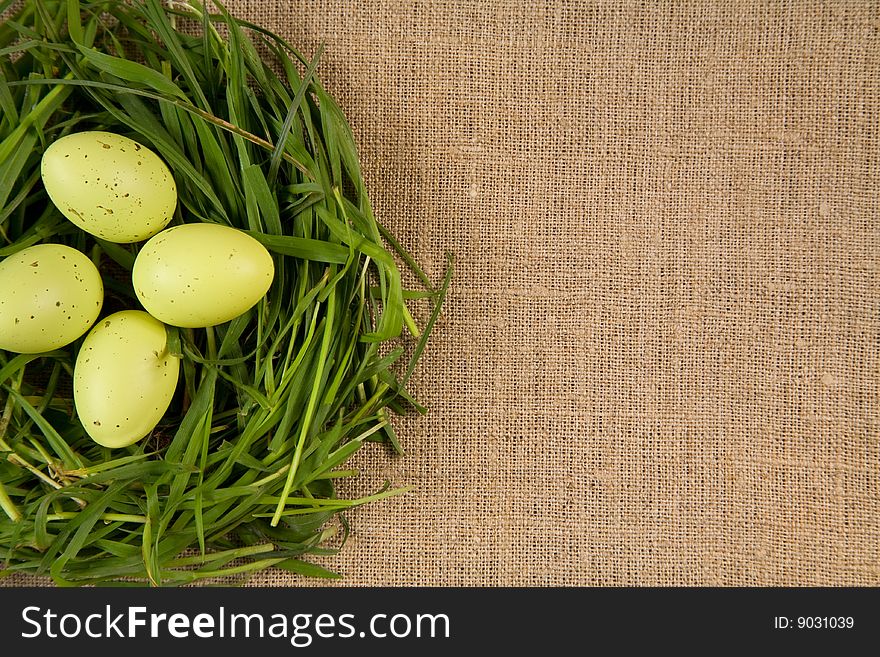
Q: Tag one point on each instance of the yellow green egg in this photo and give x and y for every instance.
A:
(199, 275)
(124, 378)
(50, 295)
(109, 185)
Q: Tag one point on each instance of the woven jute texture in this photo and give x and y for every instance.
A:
(658, 364)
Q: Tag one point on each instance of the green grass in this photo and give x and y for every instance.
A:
(240, 474)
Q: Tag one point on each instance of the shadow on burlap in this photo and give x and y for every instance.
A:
(658, 361)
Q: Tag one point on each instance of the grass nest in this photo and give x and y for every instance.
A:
(240, 474)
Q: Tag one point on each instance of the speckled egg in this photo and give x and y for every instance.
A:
(109, 185)
(199, 275)
(124, 378)
(50, 294)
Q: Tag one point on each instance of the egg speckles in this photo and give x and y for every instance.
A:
(109, 185)
(124, 378)
(199, 275)
(50, 295)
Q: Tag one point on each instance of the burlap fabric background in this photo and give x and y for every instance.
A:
(659, 360)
